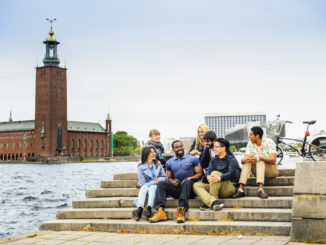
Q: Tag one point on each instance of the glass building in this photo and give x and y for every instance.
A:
(220, 122)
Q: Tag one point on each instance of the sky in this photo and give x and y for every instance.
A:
(165, 64)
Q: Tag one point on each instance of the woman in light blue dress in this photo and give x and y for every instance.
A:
(150, 172)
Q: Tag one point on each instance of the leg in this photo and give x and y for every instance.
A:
(260, 172)
(151, 195)
(202, 191)
(186, 192)
(227, 189)
(244, 174)
(142, 196)
(164, 188)
(271, 170)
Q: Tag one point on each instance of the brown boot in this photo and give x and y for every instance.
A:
(159, 215)
(181, 214)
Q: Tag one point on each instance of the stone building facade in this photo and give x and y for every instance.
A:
(51, 134)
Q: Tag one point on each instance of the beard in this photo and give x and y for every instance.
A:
(180, 153)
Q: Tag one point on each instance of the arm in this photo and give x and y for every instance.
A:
(192, 145)
(271, 159)
(141, 177)
(161, 175)
(210, 167)
(205, 158)
(171, 179)
(231, 170)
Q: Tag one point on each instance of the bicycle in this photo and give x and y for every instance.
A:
(316, 147)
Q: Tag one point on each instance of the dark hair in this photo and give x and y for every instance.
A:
(210, 135)
(145, 153)
(257, 130)
(224, 143)
(175, 142)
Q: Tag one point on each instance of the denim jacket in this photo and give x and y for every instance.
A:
(145, 174)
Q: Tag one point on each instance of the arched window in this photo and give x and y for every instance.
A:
(102, 147)
(85, 147)
(91, 148)
(96, 147)
(78, 146)
(73, 147)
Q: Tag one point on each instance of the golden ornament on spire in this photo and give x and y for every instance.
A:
(51, 33)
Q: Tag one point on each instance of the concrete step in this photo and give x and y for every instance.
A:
(134, 176)
(194, 227)
(133, 192)
(278, 181)
(234, 214)
(245, 202)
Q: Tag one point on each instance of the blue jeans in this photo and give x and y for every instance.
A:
(151, 190)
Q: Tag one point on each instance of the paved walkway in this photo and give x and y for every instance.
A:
(101, 238)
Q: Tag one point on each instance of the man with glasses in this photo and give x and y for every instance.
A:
(222, 175)
(182, 171)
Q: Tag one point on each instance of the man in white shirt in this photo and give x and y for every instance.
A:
(260, 158)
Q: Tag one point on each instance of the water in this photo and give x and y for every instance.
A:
(33, 193)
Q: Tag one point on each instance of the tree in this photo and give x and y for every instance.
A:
(124, 144)
(233, 148)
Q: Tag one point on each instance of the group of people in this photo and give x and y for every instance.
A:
(209, 170)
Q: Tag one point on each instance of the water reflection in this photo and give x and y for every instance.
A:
(32, 193)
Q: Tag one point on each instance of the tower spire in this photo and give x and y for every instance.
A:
(10, 115)
(51, 55)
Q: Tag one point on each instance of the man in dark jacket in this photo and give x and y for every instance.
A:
(222, 174)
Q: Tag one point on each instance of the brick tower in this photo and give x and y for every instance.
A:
(50, 103)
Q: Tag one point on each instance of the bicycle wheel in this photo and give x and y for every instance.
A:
(317, 149)
(279, 155)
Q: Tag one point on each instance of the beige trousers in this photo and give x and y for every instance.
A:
(259, 169)
(210, 193)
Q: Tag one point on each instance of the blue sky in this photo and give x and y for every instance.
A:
(164, 64)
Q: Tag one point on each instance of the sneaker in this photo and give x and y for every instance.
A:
(262, 194)
(217, 205)
(181, 214)
(205, 208)
(238, 194)
(159, 216)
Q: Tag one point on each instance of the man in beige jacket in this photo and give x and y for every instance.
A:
(260, 158)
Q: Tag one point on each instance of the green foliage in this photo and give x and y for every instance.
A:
(124, 144)
(138, 151)
(298, 146)
(233, 148)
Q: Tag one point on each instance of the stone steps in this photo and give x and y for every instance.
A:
(244, 202)
(278, 181)
(134, 176)
(234, 214)
(133, 192)
(193, 227)
(109, 208)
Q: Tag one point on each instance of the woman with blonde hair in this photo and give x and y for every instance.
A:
(198, 145)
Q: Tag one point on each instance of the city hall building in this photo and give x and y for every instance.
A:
(51, 134)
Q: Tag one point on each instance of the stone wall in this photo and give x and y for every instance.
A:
(309, 202)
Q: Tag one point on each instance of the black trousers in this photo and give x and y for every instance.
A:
(182, 192)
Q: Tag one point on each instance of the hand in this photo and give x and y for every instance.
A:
(194, 152)
(212, 179)
(185, 180)
(249, 159)
(157, 180)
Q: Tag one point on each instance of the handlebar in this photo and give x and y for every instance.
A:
(288, 122)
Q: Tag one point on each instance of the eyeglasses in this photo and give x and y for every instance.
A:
(218, 146)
